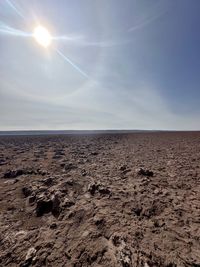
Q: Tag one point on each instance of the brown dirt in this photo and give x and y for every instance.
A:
(83, 200)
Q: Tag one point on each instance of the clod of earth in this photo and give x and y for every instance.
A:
(145, 172)
(43, 206)
(70, 166)
(27, 191)
(123, 167)
(48, 181)
(98, 188)
(46, 205)
(13, 173)
(137, 211)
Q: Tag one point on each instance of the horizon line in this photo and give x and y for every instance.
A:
(24, 132)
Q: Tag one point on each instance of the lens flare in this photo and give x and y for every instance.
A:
(42, 36)
(71, 63)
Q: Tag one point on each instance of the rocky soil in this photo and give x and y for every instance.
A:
(116, 200)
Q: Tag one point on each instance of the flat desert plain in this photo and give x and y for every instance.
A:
(116, 200)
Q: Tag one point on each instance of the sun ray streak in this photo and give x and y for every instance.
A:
(71, 63)
(7, 30)
(81, 41)
(15, 9)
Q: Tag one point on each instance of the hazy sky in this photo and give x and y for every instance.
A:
(129, 64)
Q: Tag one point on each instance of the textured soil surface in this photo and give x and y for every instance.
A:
(100, 200)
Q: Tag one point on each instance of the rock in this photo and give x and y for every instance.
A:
(27, 263)
(145, 172)
(83, 172)
(137, 211)
(123, 167)
(157, 191)
(70, 182)
(31, 171)
(13, 173)
(31, 199)
(27, 191)
(43, 206)
(152, 210)
(146, 264)
(103, 190)
(125, 257)
(46, 204)
(69, 167)
(2, 162)
(19, 172)
(92, 188)
(94, 153)
(123, 252)
(53, 226)
(41, 172)
(29, 257)
(67, 203)
(98, 188)
(59, 152)
(116, 240)
(48, 181)
(31, 253)
(11, 182)
(99, 222)
(55, 205)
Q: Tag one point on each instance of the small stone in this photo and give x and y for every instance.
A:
(137, 211)
(92, 188)
(2, 162)
(104, 190)
(94, 153)
(29, 257)
(31, 253)
(31, 199)
(53, 226)
(99, 221)
(123, 167)
(27, 191)
(83, 172)
(156, 191)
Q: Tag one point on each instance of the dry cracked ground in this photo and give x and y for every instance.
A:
(100, 200)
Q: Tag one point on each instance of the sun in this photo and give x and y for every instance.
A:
(42, 36)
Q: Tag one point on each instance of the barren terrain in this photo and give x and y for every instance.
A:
(116, 200)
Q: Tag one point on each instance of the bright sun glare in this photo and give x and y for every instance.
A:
(42, 36)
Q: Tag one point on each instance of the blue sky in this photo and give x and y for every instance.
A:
(113, 64)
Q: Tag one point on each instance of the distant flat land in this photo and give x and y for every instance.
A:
(70, 132)
(83, 200)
